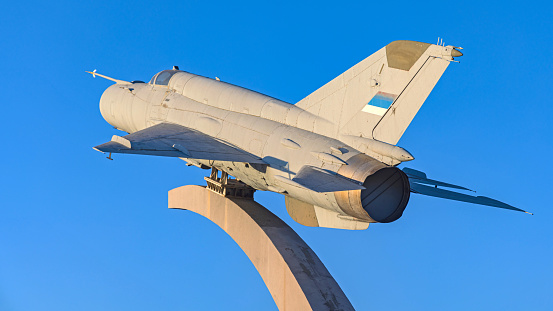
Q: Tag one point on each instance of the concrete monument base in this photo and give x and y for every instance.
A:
(295, 276)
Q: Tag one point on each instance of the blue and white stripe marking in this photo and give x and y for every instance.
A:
(379, 103)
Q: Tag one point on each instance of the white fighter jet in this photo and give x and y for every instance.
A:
(333, 154)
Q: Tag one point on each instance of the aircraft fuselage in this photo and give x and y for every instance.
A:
(279, 133)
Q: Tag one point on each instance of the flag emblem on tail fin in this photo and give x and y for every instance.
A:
(379, 103)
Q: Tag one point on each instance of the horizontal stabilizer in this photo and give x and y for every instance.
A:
(446, 194)
(420, 177)
(419, 182)
(319, 180)
(172, 140)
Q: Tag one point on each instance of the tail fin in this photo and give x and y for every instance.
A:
(380, 96)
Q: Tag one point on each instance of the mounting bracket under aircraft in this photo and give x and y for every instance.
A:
(333, 154)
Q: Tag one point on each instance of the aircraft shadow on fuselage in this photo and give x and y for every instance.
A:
(278, 164)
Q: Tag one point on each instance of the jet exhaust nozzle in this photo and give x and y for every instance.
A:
(385, 197)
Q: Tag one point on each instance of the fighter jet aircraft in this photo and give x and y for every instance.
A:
(333, 154)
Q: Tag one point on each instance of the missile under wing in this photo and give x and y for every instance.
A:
(333, 154)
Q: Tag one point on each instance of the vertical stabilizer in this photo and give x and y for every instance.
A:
(379, 97)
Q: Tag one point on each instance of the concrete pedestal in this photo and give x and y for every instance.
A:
(295, 276)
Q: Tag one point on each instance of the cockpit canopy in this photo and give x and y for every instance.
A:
(163, 77)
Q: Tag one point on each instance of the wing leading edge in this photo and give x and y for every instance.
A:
(172, 140)
(419, 184)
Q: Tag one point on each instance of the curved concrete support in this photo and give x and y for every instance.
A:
(295, 276)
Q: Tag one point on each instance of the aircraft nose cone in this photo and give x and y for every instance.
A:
(456, 53)
(107, 101)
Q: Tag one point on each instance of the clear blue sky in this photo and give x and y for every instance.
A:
(79, 232)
